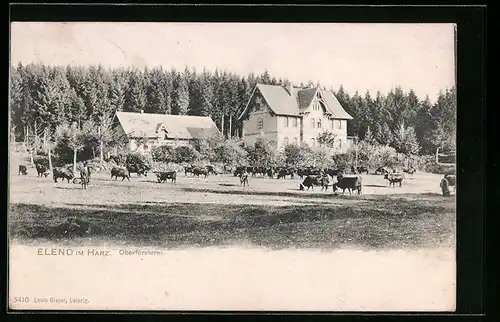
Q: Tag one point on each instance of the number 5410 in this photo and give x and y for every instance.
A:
(22, 299)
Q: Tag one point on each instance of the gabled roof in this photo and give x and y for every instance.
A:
(177, 126)
(333, 104)
(282, 103)
(279, 100)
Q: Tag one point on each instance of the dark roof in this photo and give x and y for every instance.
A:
(305, 96)
(282, 103)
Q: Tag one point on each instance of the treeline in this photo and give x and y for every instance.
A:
(43, 97)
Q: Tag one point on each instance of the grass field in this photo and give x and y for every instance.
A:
(268, 246)
(217, 211)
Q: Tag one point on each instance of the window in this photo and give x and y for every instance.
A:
(295, 141)
(339, 144)
(260, 124)
(285, 141)
(338, 124)
(295, 122)
(313, 124)
(313, 142)
(331, 124)
(286, 122)
(319, 124)
(341, 124)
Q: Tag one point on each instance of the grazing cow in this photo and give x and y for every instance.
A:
(212, 170)
(334, 172)
(244, 179)
(199, 171)
(270, 172)
(381, 170)
(309, 182)
(238, 171)
(41, 170)
(23, 170)
(120, 172)
(362, 170)
(394, 178)
(286, 172)
(410, 171)
(348, 182)
(140, 169)
(84, 177)
(310, 171)
(163, 176)
(63, 173)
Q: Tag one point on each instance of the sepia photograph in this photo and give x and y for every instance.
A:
(232, 166)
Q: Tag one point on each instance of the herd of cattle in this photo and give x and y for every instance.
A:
(339, 178)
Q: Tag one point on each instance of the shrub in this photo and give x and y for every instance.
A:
(185, 154)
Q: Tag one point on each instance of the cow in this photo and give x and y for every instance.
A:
(302, 172)
(348, 182)
(163, 176)
(334, 172)
(381, 170)
(309, 182)
(393, 178)
(140, 169)
(353, 170)
(244, 179)
(286, 172)
(410, 171)
(211, 170)
(362, 170)
(238, 171)
(23, 170)
(41, 170)
(63, 173)
(270, 172)
(84, 177)
(200, 171)
(120, 172)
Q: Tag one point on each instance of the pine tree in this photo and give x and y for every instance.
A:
(180, 99)
(406, 140)
(369, 137)
(385, 136)
(137, 98)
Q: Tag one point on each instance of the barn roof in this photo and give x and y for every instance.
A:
(177, 126)
(282, 103)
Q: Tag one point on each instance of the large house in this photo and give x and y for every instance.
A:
(143, 131)
(290, 115)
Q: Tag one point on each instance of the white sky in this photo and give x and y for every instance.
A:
(359, 56)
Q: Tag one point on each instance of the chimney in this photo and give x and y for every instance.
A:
(289, 88)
